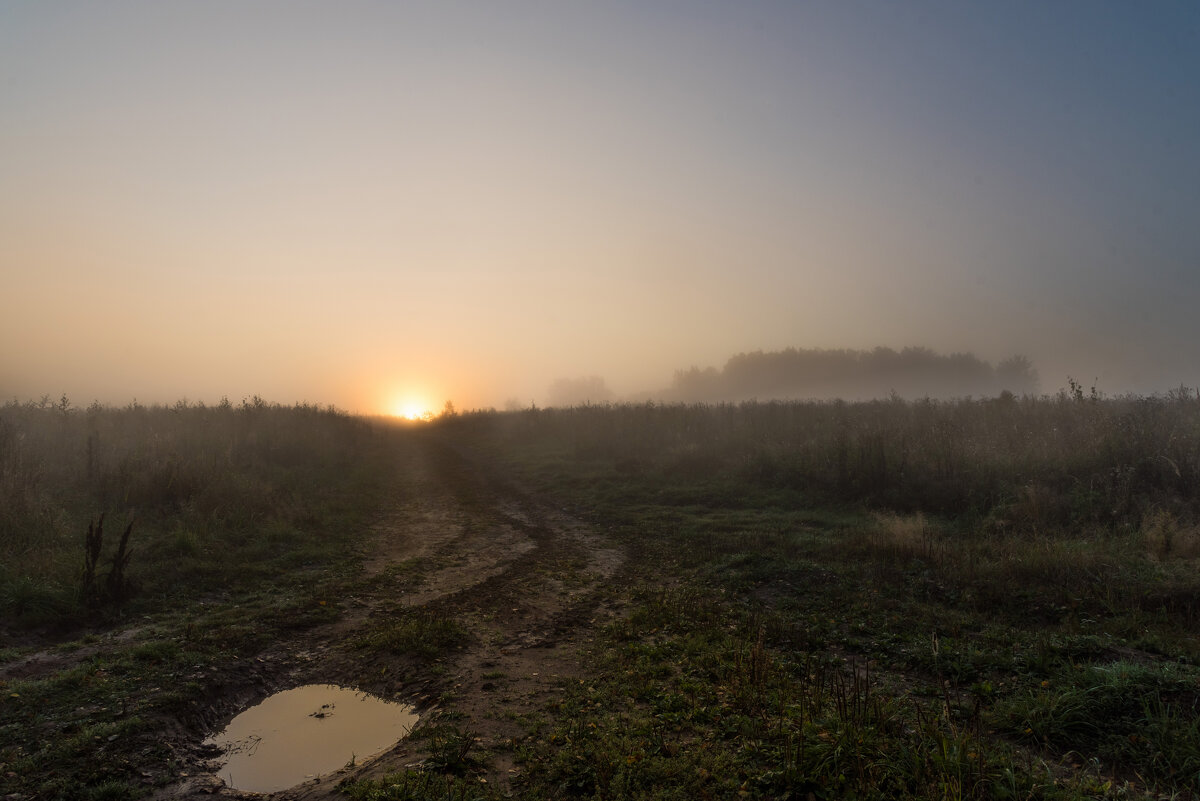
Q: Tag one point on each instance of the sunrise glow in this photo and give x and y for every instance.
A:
(466, 346)
(392, 210)
(410, 409)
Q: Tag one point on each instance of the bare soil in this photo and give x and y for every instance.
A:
(529, 582)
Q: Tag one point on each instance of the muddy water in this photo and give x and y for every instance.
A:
(297, 735)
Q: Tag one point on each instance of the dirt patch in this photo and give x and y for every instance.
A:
(528, 583)
(52, 660)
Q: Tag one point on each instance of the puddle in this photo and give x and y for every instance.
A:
(297, 735)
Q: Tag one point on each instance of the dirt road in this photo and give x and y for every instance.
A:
(526, 581)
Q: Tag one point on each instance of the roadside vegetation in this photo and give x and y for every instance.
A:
(994, 598)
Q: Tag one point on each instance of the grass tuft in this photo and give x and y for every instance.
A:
(415, 633)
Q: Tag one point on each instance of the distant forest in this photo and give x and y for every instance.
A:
(802, 374)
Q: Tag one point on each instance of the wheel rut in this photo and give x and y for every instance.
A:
(528, 582)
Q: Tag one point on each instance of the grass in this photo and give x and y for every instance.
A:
(418, 634)
(972, 599)
(1026, 463)
(997, 598)
(1124, 713)
(246, 525)
(217, 493)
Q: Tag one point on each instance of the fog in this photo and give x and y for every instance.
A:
(382, 207)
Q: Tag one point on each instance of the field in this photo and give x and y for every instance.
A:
(991, 598)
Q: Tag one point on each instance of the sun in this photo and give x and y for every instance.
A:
(410, 409)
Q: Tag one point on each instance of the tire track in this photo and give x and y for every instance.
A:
(525, 579)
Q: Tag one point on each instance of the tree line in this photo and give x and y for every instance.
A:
(813, 373)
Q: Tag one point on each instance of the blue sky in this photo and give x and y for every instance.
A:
(361, 202)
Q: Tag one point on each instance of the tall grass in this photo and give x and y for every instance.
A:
(1024, 569)
(208, 485)
(1031, 463)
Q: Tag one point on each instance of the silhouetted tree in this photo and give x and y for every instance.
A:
(882, 372)
(1017, 375)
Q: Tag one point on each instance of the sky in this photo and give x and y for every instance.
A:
(388, 205)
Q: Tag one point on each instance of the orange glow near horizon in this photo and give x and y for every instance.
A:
(411, 410)
(535, 211)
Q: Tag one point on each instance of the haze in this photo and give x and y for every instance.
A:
(382, 205)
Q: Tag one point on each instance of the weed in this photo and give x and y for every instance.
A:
(421, 634)
(420, 785)
(116, 587)
(32, 601)
(450, 750)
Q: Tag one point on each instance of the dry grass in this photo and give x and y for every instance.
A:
(213, 489)
(905, 536)
(1166, 538)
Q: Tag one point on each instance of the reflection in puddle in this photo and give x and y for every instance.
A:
(300, 734)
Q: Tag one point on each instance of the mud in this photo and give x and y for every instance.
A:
(528, 581)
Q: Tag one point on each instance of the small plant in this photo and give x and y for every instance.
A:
(419, 785)
(32, 600)
(116, 587)
(420, 634)
(451, 751)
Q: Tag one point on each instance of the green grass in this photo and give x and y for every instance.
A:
(1139, 716)
(978, 599)
(247, 524)
(1020, 577)
(1030, 463)
(412, 633)
(202, 485)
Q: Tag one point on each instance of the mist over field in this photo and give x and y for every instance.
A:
(632, 400)
(812, 374)
(384, 207)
